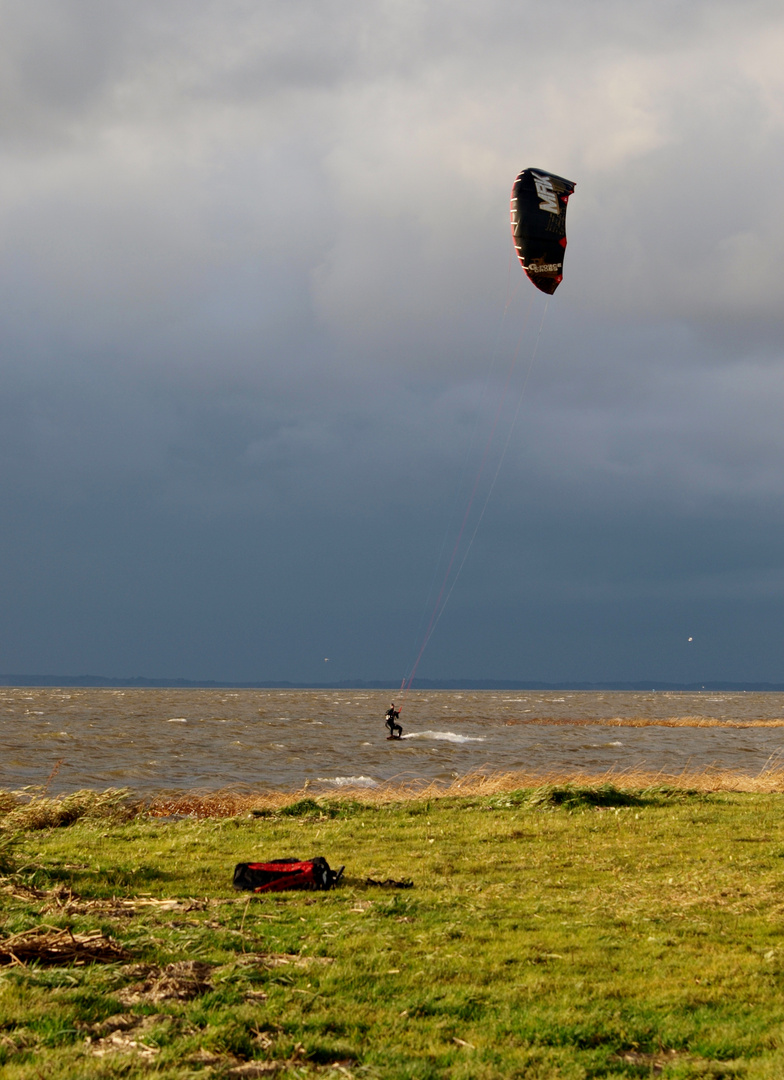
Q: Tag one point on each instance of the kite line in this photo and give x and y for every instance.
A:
(538, 216)
(449, 579)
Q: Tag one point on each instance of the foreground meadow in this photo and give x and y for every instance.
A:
(556, 931)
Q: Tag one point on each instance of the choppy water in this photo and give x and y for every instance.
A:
(153, 740)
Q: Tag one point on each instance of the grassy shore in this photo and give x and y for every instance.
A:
(606, 929)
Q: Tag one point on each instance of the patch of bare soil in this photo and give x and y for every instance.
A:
(114, 907)
(118, 1043)
(20, 891)
(118, 1022)
(66, 902)
(250, 1069)
(654, 1062)
(122, 1034)
(210, 1059)
(274, 960)
(181, 981)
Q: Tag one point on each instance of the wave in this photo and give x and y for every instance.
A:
(444, 736)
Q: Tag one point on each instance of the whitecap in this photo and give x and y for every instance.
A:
(444, 736)
(177, 720)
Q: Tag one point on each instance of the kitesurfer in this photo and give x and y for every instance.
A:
(392, 716)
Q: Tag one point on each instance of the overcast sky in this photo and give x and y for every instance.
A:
(260, 320)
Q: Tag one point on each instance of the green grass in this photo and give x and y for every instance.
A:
(561, 932)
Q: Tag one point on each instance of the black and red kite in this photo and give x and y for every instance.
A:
(538, 210)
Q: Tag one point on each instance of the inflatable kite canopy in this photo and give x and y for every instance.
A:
(538, 210)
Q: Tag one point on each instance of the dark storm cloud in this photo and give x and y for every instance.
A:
(254, 264)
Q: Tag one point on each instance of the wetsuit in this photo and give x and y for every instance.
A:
(392, 715)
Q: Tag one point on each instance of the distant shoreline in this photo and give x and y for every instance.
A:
(139, 682)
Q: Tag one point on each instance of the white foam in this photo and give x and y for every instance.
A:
(177, 720)
(348, 781)
(444, 736)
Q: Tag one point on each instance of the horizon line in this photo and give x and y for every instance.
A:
(142, 682)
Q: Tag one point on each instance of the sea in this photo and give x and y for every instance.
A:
(173, 740)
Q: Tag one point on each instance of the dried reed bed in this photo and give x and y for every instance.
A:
(33, 809)
(232, 803)
(218, 804)
(23, 811)
(52, 945)
(643, 721)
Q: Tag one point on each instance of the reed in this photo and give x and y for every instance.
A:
(232, 803)
(645, 721)
(33, 809)
(30, 809)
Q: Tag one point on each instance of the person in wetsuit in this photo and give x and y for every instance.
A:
(393, 715)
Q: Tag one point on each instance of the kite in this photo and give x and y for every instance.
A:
(538, 209)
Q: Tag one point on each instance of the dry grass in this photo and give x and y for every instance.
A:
(768, 780)
(31, 809)
(50, 945)
(218, 804)
(229, 803)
